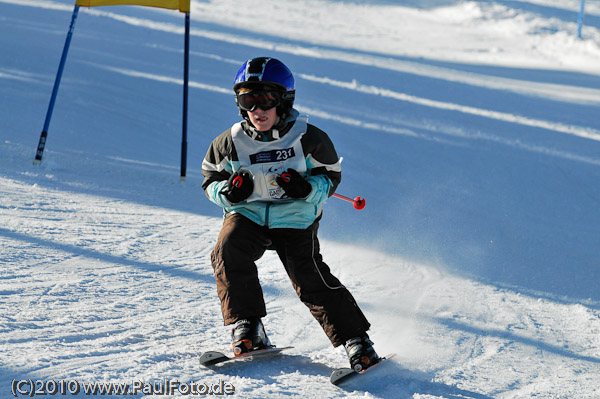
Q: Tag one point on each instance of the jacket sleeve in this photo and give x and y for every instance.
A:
(322, 187)
(216, 167)
(322, 161)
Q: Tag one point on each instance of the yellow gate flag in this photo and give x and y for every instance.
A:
(181, 5)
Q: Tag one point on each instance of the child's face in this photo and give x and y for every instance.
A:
(263, 120)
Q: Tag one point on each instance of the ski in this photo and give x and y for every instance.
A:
(346, 373)
(212, 358)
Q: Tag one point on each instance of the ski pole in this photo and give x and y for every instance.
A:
(238, 181)
(358, 202)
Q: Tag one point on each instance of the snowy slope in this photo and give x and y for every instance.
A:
(470, 127)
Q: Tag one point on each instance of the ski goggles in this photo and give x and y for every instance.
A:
(263, 99)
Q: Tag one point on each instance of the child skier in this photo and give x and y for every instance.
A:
(271, 174)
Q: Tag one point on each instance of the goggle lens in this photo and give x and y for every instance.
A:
(264, 100)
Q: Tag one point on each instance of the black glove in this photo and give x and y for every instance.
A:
(294, 185)
(239, 187)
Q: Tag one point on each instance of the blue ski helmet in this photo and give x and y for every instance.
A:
(262, 71)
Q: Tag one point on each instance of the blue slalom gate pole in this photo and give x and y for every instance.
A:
(580, 18)
(186, 73)
(43, 137)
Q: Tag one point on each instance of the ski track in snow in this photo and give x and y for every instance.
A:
(106, 272)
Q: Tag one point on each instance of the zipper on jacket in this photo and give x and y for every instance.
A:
(267, 212)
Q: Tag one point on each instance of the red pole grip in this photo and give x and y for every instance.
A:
(237, 182)
(286, 176)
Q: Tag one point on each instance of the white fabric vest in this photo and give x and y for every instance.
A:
(267, 159)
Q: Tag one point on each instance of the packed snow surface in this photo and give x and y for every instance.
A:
(471, 128)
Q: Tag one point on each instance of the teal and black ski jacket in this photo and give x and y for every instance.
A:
(298, 145)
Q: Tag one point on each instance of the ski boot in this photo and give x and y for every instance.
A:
(248, 335)
(361, 353)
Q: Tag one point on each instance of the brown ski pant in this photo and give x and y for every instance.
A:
(241, 242)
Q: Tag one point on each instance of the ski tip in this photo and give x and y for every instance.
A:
(211, 357)
(340, 375)
(344, 374)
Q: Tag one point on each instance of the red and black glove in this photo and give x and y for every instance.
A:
(239, 187)
(294, 185)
